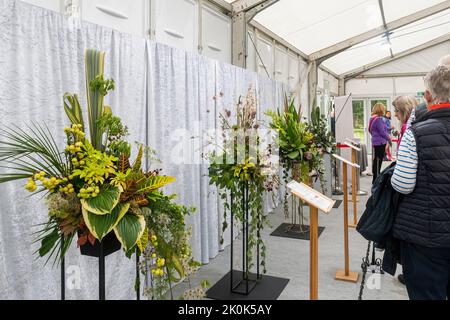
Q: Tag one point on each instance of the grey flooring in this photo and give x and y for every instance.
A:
(289, 258)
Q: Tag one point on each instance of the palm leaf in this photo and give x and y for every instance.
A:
(129, 230)
(104, 202)
(101, 225)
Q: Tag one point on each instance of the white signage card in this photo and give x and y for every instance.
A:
(311, 196)
(349, 144)
(346, 161)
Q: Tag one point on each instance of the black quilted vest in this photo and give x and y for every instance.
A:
(423, 216)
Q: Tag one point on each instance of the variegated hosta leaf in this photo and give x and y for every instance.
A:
(153, 183)
(143, 241)
(104, 202)
(101, 225)
(129, 230)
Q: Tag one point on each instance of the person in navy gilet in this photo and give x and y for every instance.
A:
(422, 174)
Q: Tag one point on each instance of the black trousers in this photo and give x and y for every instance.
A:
(378, 156)
(426, 271)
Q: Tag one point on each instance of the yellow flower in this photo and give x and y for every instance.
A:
(153, 238)
(154, 255)
(160, 262)
(31, 185)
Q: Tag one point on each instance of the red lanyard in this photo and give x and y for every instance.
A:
(439, 106)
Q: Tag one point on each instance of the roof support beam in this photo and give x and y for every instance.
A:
(333, 50)
(356, 72)
(243, 11)
(392, 75)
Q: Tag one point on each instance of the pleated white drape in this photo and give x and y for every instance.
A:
(168, 98)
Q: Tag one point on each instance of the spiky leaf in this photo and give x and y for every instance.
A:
(129, 230)
(153, 183)
(104, 202)
(101, 225)
(124, 163)
(138, 163)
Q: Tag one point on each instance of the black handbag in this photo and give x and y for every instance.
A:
(378, 218)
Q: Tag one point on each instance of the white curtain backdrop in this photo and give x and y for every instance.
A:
(168, 98)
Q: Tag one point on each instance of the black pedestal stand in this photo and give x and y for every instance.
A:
(63, 271)
(101, 272)
(248, 286)
(138, 278)
(245, 282)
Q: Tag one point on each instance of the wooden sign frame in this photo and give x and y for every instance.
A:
(316, 201)
(345, 274)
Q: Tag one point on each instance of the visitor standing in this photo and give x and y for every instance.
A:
(422, 174)
(377, 129)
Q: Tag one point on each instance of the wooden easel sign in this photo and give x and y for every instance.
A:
(316, 201)
(351, 145)
(345, 274)
(312, 197)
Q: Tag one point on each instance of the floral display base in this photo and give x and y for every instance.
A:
(110, 245)
(288, 230)
(268, 288)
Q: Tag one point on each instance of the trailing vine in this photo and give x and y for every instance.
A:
(240, 172)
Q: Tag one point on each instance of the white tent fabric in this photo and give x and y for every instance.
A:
(314, 25)
(422, 61)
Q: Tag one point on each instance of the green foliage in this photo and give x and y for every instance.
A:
(115, 133)
(243, 177)
(323, 138)
(97, 166)
(101, 85)
(73, 110)
(170, 241)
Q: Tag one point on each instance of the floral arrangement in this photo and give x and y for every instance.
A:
(301, 145)
(240, 169)
(93, 189)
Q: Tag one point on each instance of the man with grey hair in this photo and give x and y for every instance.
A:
(422, 174)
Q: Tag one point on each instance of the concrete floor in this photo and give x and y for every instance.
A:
(289, 258)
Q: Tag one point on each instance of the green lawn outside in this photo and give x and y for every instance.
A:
(359, 133)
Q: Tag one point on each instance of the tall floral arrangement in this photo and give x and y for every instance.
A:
(240, 171)
(299, 146)
(92, 187)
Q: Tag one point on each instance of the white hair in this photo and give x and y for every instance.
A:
(445, 61)
(438, 83)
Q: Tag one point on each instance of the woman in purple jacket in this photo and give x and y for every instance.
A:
(380, 137)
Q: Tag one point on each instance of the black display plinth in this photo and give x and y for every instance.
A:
(337, 204)
(287, 230)
(266, 288)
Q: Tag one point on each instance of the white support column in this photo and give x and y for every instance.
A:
(243, 12)
(341, 87)
(312, 84)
